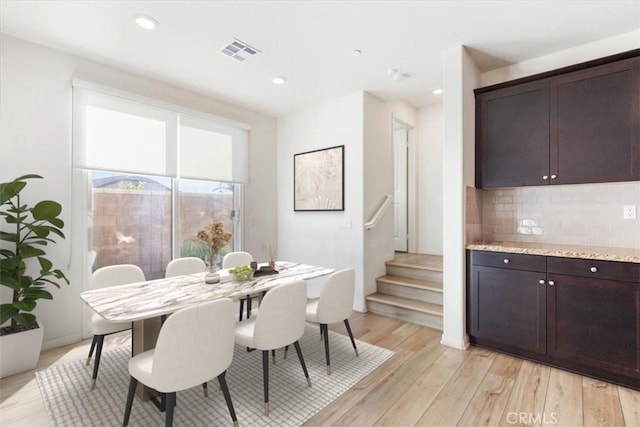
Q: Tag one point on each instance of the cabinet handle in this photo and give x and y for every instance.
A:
(553, 176)
(541, 282)
(506, 261)
(545, 177)
(551, 283)
(594, 269)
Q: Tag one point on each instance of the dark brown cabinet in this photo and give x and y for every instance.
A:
(577, 314)
(570, 126)
(509, 302)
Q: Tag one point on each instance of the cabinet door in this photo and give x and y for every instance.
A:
(595, 120)
(508, 307)
(595, 322)
(512, 136)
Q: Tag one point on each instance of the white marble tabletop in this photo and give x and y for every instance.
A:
(153, 298)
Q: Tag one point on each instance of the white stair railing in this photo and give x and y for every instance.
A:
(376, 216)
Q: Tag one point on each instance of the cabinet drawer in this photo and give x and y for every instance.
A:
(611, 270)
(509, 260)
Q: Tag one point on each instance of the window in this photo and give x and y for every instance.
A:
(158, 174)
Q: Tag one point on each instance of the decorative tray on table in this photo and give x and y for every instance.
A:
(264, 271)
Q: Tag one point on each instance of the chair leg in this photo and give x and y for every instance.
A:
(304, 367)
(96, 364)
(93, 347)
(249, 303)
(133, 383)
(205, 390)
(325, 329)
(273, 356)
(265, 380)
(286, 350)
(227, 397)
(353, 342)
(171, 404)
(241, 308)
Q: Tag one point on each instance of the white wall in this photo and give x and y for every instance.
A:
(330, 239)
(461, 77)
(563, 58)
(379, 181)
(35, 137)
(430, 122)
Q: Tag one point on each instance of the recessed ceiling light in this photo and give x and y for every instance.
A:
(438, 91)
(278, 80)
(356, 52)
(146, 21)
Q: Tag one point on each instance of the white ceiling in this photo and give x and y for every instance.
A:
(310, 42)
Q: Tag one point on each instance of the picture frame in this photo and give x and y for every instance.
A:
(318, 180)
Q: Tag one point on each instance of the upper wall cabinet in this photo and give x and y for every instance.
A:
(569, 126)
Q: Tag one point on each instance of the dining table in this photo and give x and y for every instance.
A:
(146, 303)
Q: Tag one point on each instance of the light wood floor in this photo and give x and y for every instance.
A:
(423, 384)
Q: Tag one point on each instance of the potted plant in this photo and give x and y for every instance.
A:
(26, 271)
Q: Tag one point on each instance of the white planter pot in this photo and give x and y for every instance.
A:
(20, 352)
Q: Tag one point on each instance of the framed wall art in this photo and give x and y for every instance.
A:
(318, 180)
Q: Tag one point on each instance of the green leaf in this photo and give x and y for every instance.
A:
(57, 222)
(7, 311)
(27, 251)
(26, 319)
(46, 210)
(37, 294)
(25, 305)
(9, 190)
(10, 282)
(45, 264)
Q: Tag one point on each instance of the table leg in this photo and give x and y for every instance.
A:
(143, 337)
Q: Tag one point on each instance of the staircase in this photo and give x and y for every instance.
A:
(411, 290)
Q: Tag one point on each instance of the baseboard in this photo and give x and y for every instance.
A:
(61, 341)
(460, 344)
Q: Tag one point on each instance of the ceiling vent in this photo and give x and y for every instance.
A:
(239, 50)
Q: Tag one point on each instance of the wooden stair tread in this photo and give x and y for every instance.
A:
(410, 304)
(412, 283)
(396, 263)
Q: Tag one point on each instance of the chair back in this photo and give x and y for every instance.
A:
(281, 318)
(336, 297)
(234, 259)
(114, 275)
(185, 265)
(195, 345)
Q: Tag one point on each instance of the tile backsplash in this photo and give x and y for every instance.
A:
(585, 214)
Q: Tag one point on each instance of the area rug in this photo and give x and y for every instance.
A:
(65, 388)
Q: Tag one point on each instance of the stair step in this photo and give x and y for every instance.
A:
(423, 307)
(413, 311)
(409, 271)
(411, 283)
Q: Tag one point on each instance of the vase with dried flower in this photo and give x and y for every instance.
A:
(271, 254)
(216, 238)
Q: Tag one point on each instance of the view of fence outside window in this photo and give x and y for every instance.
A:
(132, 219)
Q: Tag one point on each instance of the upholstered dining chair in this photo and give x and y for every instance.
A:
(279, 322)
(195, 345)
(235, 259)
(101, 278)
(335, 304)
(185, 265)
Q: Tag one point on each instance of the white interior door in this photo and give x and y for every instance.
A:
(400, 202)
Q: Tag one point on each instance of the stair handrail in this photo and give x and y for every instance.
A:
(376, 216)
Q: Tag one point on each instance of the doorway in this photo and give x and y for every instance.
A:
(402, 141)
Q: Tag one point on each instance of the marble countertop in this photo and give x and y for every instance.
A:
(567, 251)
(153, 298)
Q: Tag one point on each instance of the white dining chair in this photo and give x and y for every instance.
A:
(185, 265)
(335, 304)
(235, 259)
(279, 322)
(101, 278)
(194, 346)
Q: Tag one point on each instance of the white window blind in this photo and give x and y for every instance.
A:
(114, 133)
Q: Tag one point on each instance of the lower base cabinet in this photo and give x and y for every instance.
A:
(576, 314)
